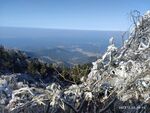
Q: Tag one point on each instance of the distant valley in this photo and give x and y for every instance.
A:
(66, 47)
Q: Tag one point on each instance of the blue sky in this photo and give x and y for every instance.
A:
(70, 14)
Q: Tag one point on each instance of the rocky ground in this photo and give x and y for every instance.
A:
(119, 82)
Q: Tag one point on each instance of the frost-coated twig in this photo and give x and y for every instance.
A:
(108, 105)
(78, 109)
(140, 106)
(130, 82)
(17, 109)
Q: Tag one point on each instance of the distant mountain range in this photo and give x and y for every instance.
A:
(67, 47)
(62, 56)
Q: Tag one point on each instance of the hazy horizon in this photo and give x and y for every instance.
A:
(16, 36)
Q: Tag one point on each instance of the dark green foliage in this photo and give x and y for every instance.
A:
(75, 73)
(17, 62)
(12, 61)
(36, 67)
